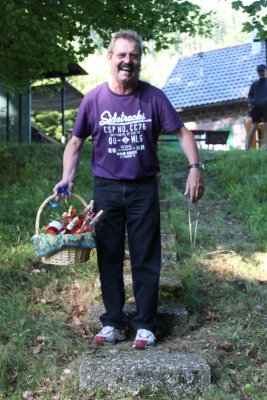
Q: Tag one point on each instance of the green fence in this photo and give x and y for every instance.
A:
(15, 125)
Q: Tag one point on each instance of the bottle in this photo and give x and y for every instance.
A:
(96, 218)
(65, 219)
(85, 227)
(54, 227)
(90, 209)
(71, 212)
(85, 213)
(70, 228)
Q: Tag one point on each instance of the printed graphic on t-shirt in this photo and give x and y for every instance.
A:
(125, 133)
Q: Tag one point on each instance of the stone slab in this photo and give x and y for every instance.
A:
(168, 241)
(120, 373)
(168, 260)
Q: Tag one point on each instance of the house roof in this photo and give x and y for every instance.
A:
(73, 69)
(47, 101)
(51, 99)
(214, 76)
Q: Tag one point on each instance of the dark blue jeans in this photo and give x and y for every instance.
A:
(132, 207)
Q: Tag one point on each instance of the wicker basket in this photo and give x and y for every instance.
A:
(67, 255)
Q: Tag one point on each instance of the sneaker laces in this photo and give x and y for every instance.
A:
(145, 333)
(107, 329)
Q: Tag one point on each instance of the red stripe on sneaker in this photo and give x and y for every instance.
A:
(140, 344)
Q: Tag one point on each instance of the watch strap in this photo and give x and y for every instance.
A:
(199, 165)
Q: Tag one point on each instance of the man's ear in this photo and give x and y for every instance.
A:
(109, 55)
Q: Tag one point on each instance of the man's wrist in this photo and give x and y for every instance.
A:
(198, 165)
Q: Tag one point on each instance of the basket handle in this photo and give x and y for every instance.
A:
(40, 210)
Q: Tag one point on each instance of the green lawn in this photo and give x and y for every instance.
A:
(222, 261)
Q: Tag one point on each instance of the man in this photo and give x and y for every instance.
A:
(257, 98)
(124, 117)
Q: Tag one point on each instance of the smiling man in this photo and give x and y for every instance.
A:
(124, 117)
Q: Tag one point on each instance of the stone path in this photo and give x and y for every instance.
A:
(161, 372)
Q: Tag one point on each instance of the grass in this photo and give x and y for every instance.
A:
(222, 261)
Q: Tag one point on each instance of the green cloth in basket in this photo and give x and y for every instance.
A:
(47, 244)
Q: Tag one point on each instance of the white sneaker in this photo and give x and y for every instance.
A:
(143, 339)
(109, 335)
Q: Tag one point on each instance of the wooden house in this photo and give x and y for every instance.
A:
(209, 90)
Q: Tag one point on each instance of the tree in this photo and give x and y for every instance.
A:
(43, 36)
(256, 12)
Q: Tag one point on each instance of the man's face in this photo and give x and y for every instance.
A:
(125, 62)
(261, 73)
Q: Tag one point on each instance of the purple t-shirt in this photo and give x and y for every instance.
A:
(125, 130)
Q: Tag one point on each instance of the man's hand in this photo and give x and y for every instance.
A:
(194, 187)
(63, 190)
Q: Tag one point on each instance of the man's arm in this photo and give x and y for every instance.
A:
(194, 185)
(251, 98)
(71, 158)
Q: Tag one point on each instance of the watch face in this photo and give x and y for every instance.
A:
(197, 165)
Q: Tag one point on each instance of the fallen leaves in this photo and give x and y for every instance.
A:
(39, 343)
(48, 387)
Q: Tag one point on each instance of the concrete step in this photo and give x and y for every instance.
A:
(118, 372)
(172, 319)
(164, 205)
(168, 241)
(168, 260)
(170, 284)
(165, 223)
(170, 287)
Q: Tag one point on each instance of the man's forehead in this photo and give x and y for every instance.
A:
(121, 43)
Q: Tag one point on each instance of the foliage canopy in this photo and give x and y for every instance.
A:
(39, 37)
(256, 12)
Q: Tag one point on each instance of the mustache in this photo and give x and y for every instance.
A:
(126, 65)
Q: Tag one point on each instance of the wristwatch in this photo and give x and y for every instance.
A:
(199, 165)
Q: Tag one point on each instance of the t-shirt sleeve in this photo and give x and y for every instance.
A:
(170, 119)
(82, 127)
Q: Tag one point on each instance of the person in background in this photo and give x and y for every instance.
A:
(257, 97)
(124, 117)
